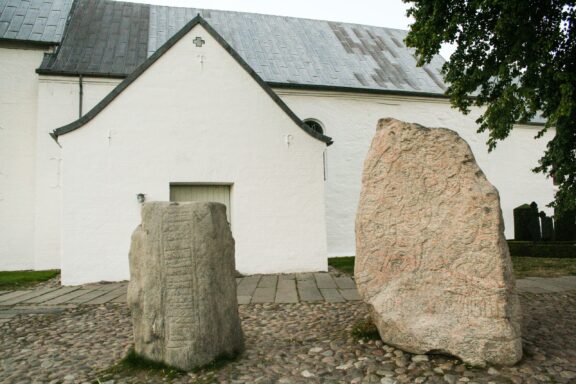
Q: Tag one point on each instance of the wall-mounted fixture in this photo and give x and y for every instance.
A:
(198, 41)
(141, 197)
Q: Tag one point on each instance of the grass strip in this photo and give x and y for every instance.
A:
(14, 280)
(523, 266)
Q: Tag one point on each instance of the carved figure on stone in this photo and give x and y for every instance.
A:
(431, 256)
(182, 290)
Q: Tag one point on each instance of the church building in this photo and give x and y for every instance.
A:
(105, 105)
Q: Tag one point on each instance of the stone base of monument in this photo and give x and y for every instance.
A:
(431, 257)
(182, 291)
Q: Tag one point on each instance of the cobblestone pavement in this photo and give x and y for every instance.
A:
(303, 342)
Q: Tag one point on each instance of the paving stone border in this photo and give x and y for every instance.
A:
(282, 289)
(332, 287)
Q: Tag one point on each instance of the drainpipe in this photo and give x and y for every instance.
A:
(81, 95)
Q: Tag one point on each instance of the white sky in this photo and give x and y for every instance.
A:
(383, 13)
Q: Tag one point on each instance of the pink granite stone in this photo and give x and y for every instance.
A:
(431, 256)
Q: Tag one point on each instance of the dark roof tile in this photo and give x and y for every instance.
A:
(102, 37)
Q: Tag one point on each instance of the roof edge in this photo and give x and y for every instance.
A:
(373, 91)
(159, 53)
(34, 43)
(49, 72)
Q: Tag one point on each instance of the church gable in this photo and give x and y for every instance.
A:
(195, 49)
(195, 117)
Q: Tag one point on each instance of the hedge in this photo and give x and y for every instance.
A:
(553, 249)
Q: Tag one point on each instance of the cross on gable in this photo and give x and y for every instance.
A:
(198, 41)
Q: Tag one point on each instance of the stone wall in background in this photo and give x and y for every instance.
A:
(431, 256)
(182, 290)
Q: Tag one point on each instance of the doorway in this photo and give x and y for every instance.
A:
(202, 192)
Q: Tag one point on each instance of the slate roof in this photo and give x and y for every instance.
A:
(288, 50)
(40, 21)
(106, 38)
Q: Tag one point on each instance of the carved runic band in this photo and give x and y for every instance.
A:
(198, 41)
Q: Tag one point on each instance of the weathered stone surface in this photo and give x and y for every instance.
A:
(182, 291)
(431, 257)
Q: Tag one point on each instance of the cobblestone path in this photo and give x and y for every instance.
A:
(297, 329)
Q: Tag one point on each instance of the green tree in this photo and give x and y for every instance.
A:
(518, 59)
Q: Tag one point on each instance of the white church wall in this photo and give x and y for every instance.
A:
(58, 104)
(350, 119)
(17, 143)
(195, 116)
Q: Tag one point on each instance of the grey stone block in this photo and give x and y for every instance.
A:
(248, 285)
(12, 295)
(109, 296)
(182, 290)
(308, 291)
(286, 292)
(244, 299)
(350, 294)
(268, 281)
(264, 295)
(304, 276)
(332, 295)
(324, 280)
(30, 295)
(62, 299)
(344, 282)
(51, 295)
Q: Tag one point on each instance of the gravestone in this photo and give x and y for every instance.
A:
(527, 223)
(547, 225)
(565, 226)
(431, 257)
(182, 290)
(534, 223)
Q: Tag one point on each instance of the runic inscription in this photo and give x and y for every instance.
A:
(431, 257)
(182, 290)
(180, 284)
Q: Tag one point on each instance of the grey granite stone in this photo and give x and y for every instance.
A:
(182, 290)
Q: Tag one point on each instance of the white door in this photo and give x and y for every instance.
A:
(214, 193)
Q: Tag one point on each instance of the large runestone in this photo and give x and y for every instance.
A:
(182, 291)
(431, 256)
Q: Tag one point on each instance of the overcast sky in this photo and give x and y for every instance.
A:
(383, 13)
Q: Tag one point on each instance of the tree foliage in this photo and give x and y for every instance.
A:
(518, 59)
